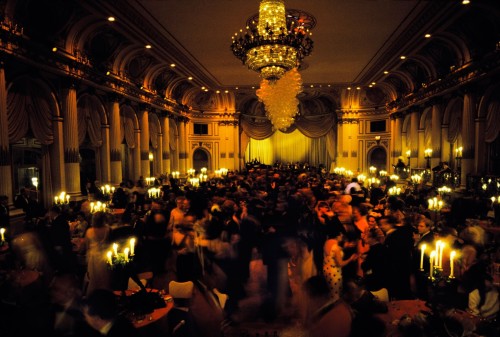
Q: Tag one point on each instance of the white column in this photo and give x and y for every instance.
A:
(397, 138)
(144, 123)
(5, 160)
(468, 136)
(136, 156)
(105, 166)
(436, 134)
(480, 146)
(115, 143)
(182, 147)
(71, 146)
(58, 173)
(413, 134)
(236, 143)
(165, 125)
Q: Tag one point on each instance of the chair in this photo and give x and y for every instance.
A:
(145, 279)
(179, 318)
(381, 295)
(221, 297)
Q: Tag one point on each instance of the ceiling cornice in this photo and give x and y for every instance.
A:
(405, 38)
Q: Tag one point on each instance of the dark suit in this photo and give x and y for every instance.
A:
(60, 238)
(399, 245)
(375, 267)
(4, 216)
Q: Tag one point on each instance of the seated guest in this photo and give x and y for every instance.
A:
(483, 301)
(101, 313)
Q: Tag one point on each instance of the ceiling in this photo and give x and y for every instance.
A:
(348, 37)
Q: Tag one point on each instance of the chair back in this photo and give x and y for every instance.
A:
(221, 297)
(181, 290)
(381, 295)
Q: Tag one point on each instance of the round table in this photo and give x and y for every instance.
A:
(398, 309)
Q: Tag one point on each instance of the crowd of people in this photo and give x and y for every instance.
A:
(331, 248)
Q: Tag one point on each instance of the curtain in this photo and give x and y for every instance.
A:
(311, 126)
(172, 134)
(89, 121)
(492, 122)
(428, 130)
(331, 145)
(455, 125)
(127, 128)
(28, 107)
(256, 128)
(289, 147)
(244, 140)
(315, 126)
(153, 130)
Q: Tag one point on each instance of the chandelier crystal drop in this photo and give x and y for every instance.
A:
(274, 47)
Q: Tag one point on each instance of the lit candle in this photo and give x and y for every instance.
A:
(113, 189)
(56, 199)
(115, 249)
(441, 246)
(422, 248)
(2, 232)
(102, 188)
(432, 258)
(452, 256)
(91, 207)
(67, 199)
(132, 246)
(125, 252)
(110, 258)
(438, 246)
(431, 204)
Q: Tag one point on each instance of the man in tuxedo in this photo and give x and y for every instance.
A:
(100, 310)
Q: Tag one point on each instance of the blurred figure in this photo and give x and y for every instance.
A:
(101, 313)
(327, 316)
(31, 254)
(60, 238)
(96, 241)
(65, 297)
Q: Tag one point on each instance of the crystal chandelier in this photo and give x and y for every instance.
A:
(273, 46)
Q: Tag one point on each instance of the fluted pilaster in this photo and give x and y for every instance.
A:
(115, 143)
(137, 162)
(468, 135)
(144, 124)
(413, 134)
(182, 147)
(105, 165)
(71, 146)
(165, 123)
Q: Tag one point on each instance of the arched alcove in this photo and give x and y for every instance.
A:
(378, 157)
(201, 158)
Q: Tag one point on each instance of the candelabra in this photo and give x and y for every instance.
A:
(176, 174)
(61, 199)
(458, 170)
(361, 178)
(154, 193)
(150, 181)
(444, 190)
(408, 156)
(416, 179)
(191, 172)
(372, 170)
(382, 173)
(394, 190)
(108, 189)
(394, 177)
(435, 204)
(203, 170)
(98, 207)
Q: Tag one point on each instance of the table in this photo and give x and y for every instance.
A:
(157, 315)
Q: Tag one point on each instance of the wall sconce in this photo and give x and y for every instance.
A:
(377, 139)
(428, 155)
(408, 156)
(34, 181)
(151, 157)
(458, 152)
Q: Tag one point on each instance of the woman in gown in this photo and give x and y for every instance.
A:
(96, 238)
(333, 263)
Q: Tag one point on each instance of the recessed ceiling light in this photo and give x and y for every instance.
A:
(236, 88)
(312, 86)
(206, 90)
(54, 49)
(403, 57)
(218, 91)
(148, 46)
(329, 85)
(190, 78)
(107, 73)
(358, 88)
(465, 2)
(253, 87)
(226, 91)
(370, 86)
(373, 83)
(386, 72)
(427, 36)
(172, 65)
(111, 18)
(348, 88)
(202, 88)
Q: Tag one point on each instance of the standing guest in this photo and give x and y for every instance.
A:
(359, 214)
(176, 217)
(101, 313)
(60, 238)
(96, 240)
(333, 263)
(399, 244)
(375, 263)
(372, 223)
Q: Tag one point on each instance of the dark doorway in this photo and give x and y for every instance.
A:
(200, 159)
(378, 158)
(87, 168)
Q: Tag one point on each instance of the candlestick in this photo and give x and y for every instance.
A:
(2, 232)
(452, 256)
(132, 246)
(432, 258)
(115, 249)
(110, 258)
(422, 248)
